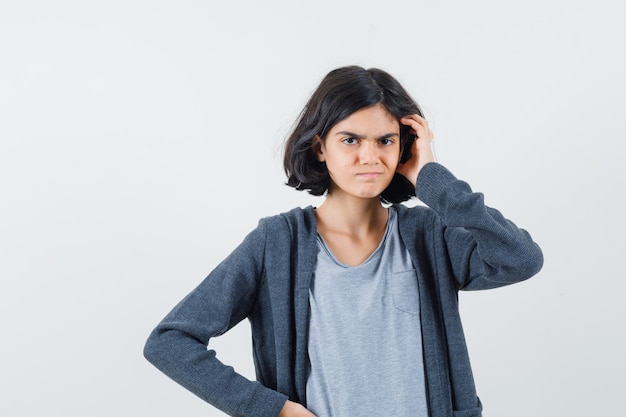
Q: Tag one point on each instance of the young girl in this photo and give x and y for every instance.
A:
(352, 304)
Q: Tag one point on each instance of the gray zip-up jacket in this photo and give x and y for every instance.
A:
(455, 243)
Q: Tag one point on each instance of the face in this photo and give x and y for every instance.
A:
(361, 152)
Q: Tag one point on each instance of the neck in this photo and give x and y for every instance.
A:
(353, 216)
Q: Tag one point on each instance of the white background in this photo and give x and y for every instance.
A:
(141, 140)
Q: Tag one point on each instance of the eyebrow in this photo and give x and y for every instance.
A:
(356, 135)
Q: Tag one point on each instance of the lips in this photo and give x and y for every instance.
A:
(369, 175)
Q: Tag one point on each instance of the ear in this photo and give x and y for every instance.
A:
(317, 146)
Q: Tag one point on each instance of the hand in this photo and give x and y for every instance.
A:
(422, 150)
(293, 409)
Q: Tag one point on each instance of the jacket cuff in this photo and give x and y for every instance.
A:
(266, 402)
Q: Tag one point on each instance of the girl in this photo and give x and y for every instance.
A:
(353, 304)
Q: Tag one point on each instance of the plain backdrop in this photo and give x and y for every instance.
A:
(141, 140)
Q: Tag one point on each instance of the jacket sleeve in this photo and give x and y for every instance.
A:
(485, 249)
(178, 345)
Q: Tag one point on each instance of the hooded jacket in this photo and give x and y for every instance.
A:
(456, 243)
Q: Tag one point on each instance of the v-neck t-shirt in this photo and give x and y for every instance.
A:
(365, 341)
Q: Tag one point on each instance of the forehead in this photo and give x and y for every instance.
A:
(374, 119)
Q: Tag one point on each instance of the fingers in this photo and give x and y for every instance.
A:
(414, 118)
(422, 151)
(418, 125)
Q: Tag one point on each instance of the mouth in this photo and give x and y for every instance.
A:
(369, 175)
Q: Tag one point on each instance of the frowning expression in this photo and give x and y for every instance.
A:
(361, 152)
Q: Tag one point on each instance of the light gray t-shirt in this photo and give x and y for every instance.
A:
(365, 342)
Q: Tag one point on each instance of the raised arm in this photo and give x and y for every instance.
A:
(485, 249)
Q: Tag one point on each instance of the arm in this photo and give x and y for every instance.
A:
(178, 345)
(485, 249)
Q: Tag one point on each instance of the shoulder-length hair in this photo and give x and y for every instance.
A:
(342, 92)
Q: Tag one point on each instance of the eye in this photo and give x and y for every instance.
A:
(349, 141)
(386, 141)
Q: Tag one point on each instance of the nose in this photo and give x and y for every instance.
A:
(368, 154)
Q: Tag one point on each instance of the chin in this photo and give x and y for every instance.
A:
(370, 194)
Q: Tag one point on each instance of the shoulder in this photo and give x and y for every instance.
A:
(296, 221)
(416, 220)
(414, 213)
(277, 236)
